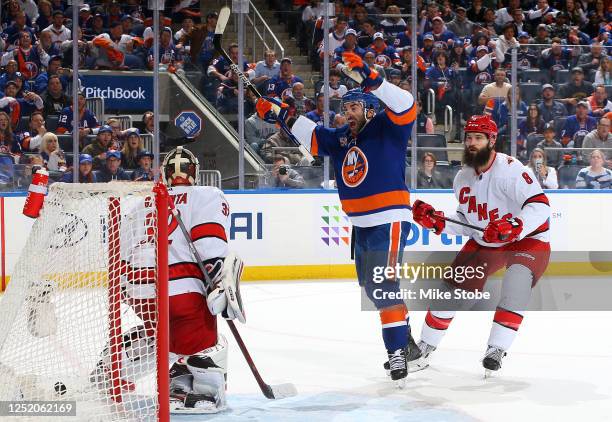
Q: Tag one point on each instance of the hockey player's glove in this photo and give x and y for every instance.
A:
(503, 231)
(425, 215)
(225, 298)
(271, 110)
(369, 79)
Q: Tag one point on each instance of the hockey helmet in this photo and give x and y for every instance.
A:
(482, 124)
(369, 101)
(180, 167)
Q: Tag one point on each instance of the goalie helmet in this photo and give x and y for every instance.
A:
(482, 124)
(180, 167)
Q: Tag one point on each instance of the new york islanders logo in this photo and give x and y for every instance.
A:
(383, 60)
(29, 70)
(482, 78)
(354, 167)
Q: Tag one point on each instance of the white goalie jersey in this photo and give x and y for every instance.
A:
(205, 213)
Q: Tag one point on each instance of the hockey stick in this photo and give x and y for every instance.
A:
(224, 15)
(460, 223)
(279, 391)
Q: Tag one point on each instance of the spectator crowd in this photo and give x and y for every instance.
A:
(36, 115)
(464, 54)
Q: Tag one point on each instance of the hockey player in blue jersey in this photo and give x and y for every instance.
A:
(368, 156)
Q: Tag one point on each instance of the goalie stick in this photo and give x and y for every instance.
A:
(222, 20)
(279, 391)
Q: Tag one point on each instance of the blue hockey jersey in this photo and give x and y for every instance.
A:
(86, 120)
(281, 88)
(370, 170)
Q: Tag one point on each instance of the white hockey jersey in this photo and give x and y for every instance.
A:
(205, 212)
(507, 188)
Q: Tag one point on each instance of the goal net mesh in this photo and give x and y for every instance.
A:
(78, 319)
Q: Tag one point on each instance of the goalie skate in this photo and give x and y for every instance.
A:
(193, 403)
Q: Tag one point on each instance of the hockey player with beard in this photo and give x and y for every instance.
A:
(498, 194)
(368, 155)
(198, 353)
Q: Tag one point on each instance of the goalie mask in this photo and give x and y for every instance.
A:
(180, 167)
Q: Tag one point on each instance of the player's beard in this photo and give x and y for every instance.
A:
(355, 125)
(477, 159)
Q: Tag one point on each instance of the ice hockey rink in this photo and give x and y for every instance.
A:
(313, 334)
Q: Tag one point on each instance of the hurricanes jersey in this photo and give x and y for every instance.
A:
(205, 212)
(506, 189)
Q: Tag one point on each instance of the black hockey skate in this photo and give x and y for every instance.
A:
(418, 356)
(186, 403)
(492, 360)
(398, 366)
(413, 354)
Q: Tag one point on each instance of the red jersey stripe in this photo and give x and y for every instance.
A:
(539, 198)
(145, 275)
(437, 323)
(184, 270)
(208, 230)
(176, 271)
(508, 319)
(544, 227)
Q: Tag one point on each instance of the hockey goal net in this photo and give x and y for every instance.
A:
(84, 318)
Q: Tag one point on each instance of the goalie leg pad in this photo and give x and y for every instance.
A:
(181, 380)
(209, 369)
(138, 358)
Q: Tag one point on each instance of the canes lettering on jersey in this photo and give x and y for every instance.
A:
(475, 207)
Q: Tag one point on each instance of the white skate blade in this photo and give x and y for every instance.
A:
(401, 383)
(489, 373)
(178, 408)
(418, 365)
(282, 391)
(195, 411)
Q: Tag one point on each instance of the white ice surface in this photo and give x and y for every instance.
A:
(314, 335)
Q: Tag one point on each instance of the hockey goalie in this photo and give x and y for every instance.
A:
(198, 353)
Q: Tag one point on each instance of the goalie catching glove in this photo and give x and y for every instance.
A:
(224, 297)
(355, 68)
